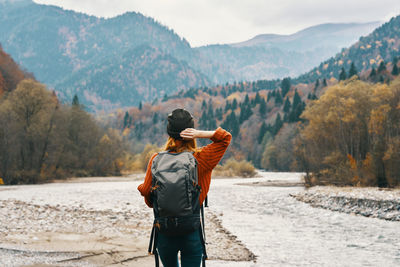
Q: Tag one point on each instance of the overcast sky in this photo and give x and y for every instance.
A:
(204, 22)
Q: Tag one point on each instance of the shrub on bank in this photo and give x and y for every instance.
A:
(234, 168)
(138, 162)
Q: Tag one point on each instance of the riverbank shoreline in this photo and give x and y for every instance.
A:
(95, 221)
(369, 202)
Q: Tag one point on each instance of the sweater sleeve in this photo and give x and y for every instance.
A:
(145, 187)
(210, 155)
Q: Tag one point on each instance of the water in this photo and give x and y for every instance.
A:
(278, 229)
(284, 232)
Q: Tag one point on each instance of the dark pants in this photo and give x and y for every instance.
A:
(189, 245)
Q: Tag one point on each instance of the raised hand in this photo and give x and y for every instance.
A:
(189, 134)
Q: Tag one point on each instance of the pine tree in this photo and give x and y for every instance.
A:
(373, 73)
(324, 83)
(203, 105)
(285, 117)
(353, 70)
(126, 120)
(395, 60)
(316, 85)
(234, 104)
(382, 67)
(278, 98)
(203, 121)
(257, 99)
(262, 132)
(299, 110)
(210, 112)
(342, 75)
(155, 118)
(140, 105)
(287, 105)
(234, 124)
(246, 100)
(231, 124)
(296, 99)
(263, 107)
(285, 85)
(278, 124)
(75, 101)
(227, 105)
(269, 96)
(395, 70)
(219, 114)
(212, 124)
(245, 112)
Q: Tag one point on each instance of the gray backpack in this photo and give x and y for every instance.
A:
(175, 196)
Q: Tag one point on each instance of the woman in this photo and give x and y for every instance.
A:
(182, 137)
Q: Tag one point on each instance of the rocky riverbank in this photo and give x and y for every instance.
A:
(370, 202)
(98, 222)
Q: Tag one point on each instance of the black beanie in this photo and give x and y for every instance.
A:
(178, 121)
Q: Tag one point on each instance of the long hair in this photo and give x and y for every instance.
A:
(179, 146)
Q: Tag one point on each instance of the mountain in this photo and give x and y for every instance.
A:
(382, 45)
(271, 56)
(130, 58)
(329, 35)
(151, 72)
(60, 45)
(262, 115)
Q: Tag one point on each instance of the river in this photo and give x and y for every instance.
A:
(282, 231)
(278, 229)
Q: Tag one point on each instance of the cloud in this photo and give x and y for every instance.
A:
(226, 21)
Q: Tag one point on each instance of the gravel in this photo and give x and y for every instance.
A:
(369, 202)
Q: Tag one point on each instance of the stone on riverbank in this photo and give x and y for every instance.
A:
(369, 202)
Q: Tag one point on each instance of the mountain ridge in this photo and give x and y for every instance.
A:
(320, 30)
(58, 44)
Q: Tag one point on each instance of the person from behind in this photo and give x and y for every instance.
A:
(176, 184)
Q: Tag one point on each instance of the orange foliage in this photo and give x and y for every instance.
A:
(10, 72)
(352, 161)
(2, 84)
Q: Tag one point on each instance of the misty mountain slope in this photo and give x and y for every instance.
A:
(271, 56)
(334, 35)
(382, 45)
(47, 38)
(140, 74)
(256, 63)
(68, 50)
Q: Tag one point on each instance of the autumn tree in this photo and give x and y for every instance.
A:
(348, 133)
(42, 139)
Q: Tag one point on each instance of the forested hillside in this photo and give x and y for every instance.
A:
(143, 73)
(382, 45)
(66, 50)
(269, 128)
(138, 59)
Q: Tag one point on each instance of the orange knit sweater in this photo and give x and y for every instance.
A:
(207, 158)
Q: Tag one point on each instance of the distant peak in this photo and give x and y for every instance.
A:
(321, 29)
